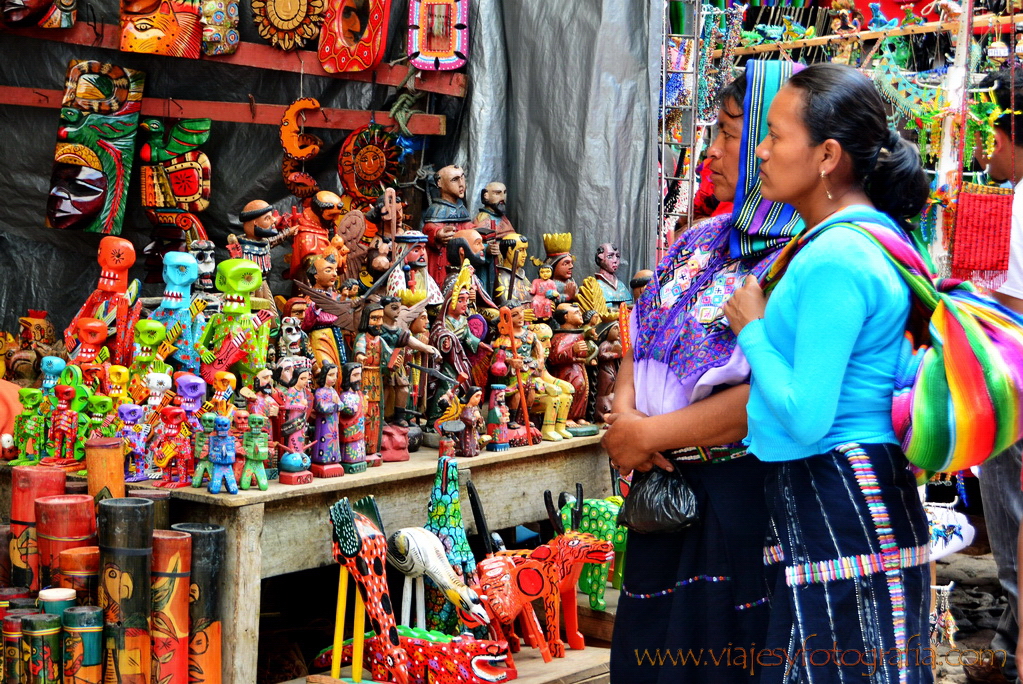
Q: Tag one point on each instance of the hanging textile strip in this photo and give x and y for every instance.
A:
(980, 242)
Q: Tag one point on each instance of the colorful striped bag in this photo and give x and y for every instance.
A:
(959, 377)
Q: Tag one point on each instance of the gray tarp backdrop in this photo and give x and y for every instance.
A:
(560, 107)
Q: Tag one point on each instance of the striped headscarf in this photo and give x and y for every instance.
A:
(759, 226)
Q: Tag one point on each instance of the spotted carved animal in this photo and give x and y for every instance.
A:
(361, 546)
(599, 518)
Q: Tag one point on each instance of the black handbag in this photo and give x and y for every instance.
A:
(659, 501)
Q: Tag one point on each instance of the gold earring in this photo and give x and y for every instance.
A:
(824, 179)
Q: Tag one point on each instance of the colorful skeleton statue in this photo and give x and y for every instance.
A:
(236, 339)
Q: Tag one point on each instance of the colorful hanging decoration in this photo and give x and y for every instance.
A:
(353, 34)
(438, 34)
(288, 24)
(95, 147)
(172, 28)
(42, 13)
(220, 27)
(368, 162)
(980, 240)
(299, 147)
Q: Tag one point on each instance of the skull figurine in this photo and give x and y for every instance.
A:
(65, 393)
(172, 417)
(92, 333)
(224, 381)
(256, 422)
(117, 382)
(100, 406)
(116, 256)
(180, 270)
(202, 250)
(149, 335)
(240, 421)
(191, 391)
(52, 367)
(158, 384)
(30, 398)
(221, 424)
(208, 421)
(130, 414)
(237, 279)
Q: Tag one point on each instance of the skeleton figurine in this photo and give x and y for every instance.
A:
(149, 338)
(114, 299)
(202, 438)
(177, 312)
(30, 427)
(159, 385)
(293, 341)
(92, 334)
(118, 380)
(133, 433)
(204, 287)
(222, 451)
(101, 417)
(236, 339)
(257, 450)
(171, 448)
(52, 367)
(64, 428)
(191, 393)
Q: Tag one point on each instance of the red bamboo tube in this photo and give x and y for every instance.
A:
(8, 593)
(28, 484)
(79, 570)
(104, 459)
(5, 555)
(172, 563)
(64, 522)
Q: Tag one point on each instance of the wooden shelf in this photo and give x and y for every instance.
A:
(259, 56)
(238, 112)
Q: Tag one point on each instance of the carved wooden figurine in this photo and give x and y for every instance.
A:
(545, 294)
(222, 451)
(95, 147)
(568, 353)
(172, 448)
(446, 215)
(562, 263)
(608, 259)
(352, 419)
(326, 452)
(177, 311)
(497, 419)
(292, 376)
(257, 450)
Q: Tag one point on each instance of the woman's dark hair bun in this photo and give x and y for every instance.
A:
(843, 105)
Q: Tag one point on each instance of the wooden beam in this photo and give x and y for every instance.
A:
(932, 27)
(239, 112)
(259, 56)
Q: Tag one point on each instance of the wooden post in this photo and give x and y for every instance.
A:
(64, 522)
(41, 648)
(104, 459)
(172, 562)
(28, 484)
(83, 644)
(204, 646)
(125, 561)
(161, 506)
(79, 570)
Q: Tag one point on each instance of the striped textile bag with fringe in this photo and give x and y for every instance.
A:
(960, 370)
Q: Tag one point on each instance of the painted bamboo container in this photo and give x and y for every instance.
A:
(63, 522)
(79, 570)
(161, 506)
(209, 543)
(41, 648)
(104, 459)
(29, 483)
(83, 645)
(172, 562)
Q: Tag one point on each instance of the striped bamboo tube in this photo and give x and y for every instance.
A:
(125, 561)
(13, 666)
(83, 645)
(209, 544)
(79, 570)
(28, 484)
(56, 600)
(63, 522)
(172, 563)
(41, 648)
(104, 459)
(161, 506)
(9, 593)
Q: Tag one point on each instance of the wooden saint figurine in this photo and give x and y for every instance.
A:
(326, 453)
(558, 247)
(472, 418)
(545, 294)
(446, 215)
(292, 377)
(512, 282)
(568, 356)
(369, 351)
(259, 225)
(492, 217)
(497, 419)
(352, 419)
(413, 275)
(616, 291)
(609, 359)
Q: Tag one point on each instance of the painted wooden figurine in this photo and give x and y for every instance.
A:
(172, 28)
(608, 259)
(395, 331)
(413, 276)
(497, 419)
(41, 13)
(203, 466)
(567, 358)
(323, 326)
(133, 432)
(492, 216)
(292, 376)
(149, 338)
(609, 359)
(30, 431)
(438, 34)
(545, 293)
(326, 451)
(314, 228)
(562, 263)
(220, 350)
(512, 282)
(64, 428)
(370, 352)
(259, 225)
(172, 448)
(352, 419)
(222, 451)
(353, 35)
(176, 310)
(257, 450)
(95, 147)
(114, 300)
(446, 215)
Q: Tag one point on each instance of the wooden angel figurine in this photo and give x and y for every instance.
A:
(545, 294)
(609, 359)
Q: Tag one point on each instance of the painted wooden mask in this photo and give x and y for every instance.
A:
(220, 27)
(438, 34)
(43, 13)
(162, 27)
(354, 34)
(288, 24)
(95, 146)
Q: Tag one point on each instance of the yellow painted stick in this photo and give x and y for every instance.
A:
(339, 623)
(358, 637)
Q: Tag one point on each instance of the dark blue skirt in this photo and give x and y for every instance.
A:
(851, 603)
(693, 603)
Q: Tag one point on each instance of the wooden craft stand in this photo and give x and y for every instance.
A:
(285, 529)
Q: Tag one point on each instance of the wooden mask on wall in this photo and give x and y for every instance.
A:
(172, 28)
(288, 24)
(44, 13)
(438, 34)
(95, 146)
(354, 34)
(220, 27)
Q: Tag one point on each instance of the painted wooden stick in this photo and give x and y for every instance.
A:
(83, 645)
(28, 484)
(63, 522)
(161, 506)
(125, 561)
(209, 544)
(79, 570)
(172, 562)
(358, 636)
(41, 648)
(339, 623)
(104, 459)
(5, 556)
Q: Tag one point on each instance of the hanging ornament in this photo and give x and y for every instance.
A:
(369, 162)
(353, 35)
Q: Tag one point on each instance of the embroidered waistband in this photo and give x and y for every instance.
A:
(849, 567)
(714, 454)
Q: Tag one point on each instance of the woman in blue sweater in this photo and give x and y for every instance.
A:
(847, 524)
